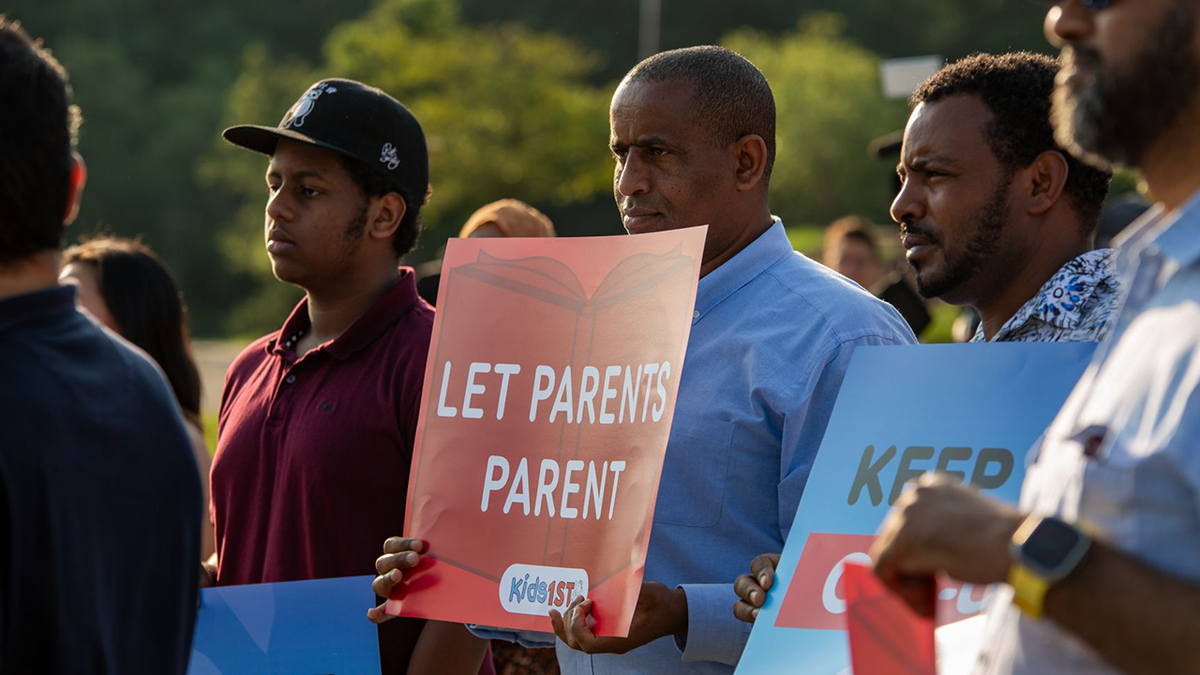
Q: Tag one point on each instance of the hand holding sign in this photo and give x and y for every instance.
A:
(399, 554)
(943, 527)
(660, 612)
(752, 588)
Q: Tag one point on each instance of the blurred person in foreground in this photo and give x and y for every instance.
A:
(99, 492)
(996, 215)
(693, 143)
(501, 218)
(129, 290)
(1102, 557)
(317, 418)
(850, 249)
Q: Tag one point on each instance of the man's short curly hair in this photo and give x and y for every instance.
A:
(1017, 88)
(732, 97)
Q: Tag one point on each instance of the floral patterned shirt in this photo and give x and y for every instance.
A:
(1080, 303)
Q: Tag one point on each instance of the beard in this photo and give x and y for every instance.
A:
(352, 231)
(1118, 113)
(981, 247)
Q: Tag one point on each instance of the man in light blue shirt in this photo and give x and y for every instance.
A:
(1102, 558)
(771, 339)
(693, 138)
(772, 335)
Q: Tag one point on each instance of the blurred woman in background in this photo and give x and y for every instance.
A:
(125, 286)
(502, 218)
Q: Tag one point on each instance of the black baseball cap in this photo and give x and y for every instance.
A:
(353, 119)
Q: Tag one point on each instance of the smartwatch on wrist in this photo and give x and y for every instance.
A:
(1044, 550)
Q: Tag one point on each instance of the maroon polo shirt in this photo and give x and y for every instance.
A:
(313, 453)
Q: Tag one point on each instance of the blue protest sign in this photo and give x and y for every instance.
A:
(969, 410)
(296, 628)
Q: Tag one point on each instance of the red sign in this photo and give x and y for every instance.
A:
(816, 596)
(548, 400)
(886, 636)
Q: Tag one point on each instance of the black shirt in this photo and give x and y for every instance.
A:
(895, 291)
(99, 500)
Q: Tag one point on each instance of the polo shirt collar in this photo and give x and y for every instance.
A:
(36, 306)
(399, 300)
(770, 247)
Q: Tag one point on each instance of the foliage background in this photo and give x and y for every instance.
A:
(513, 97)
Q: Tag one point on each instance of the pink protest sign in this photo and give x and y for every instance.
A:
(548, 400)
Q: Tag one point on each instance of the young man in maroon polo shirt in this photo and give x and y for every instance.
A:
(317, 419)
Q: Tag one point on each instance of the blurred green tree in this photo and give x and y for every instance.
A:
(151, 77)
(508, 90)
(507, 112)
(888, 27)
(828, 108)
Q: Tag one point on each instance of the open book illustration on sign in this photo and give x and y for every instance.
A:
(551, 281)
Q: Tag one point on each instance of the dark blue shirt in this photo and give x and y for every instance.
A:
(99, 500)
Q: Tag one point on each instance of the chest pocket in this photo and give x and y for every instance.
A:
(1108, 494)
(692, 489)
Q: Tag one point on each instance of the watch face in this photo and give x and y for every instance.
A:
(1050, 543)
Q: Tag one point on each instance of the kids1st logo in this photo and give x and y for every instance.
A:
(535, 590)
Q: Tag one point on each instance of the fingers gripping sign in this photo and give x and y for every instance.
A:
(399, 554)
(660, 612)
(573, 628)
(752, 588)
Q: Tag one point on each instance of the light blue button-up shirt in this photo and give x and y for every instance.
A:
(1140, 398)
(771, 338)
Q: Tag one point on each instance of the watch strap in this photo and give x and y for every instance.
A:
(1029, 590)
(1030, 577)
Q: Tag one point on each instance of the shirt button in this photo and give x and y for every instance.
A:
(696, 314)
(290, 379)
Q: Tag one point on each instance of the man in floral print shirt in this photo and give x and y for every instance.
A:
(1080, 303)
(994, 214)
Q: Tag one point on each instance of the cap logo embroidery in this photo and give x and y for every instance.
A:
(299, 111)
(388, 156)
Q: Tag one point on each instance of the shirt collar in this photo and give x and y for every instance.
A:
(1176, 235)
(398, 301)
(741, 269)
(36, 306)
(1060, 301)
